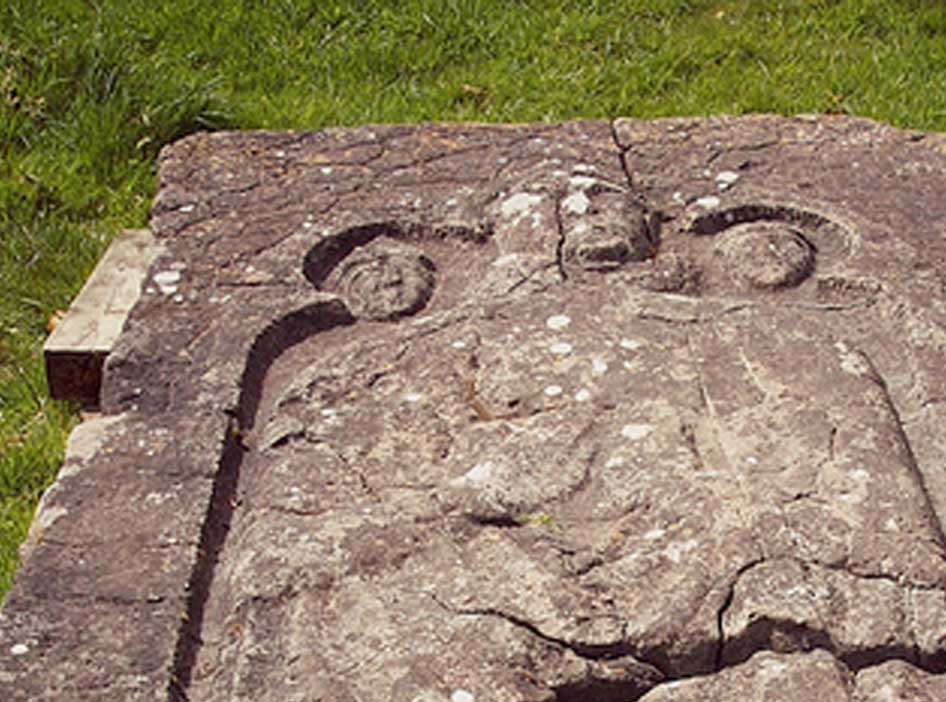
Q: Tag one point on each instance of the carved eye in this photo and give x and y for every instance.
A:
(766, 255)
(383, 280)
(766, 246)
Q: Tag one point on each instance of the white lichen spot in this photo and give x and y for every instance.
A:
(280, 154)
(635, 432)
(505, 260)
(851, 362)
(584, 169)
(580, 182)
(726, 179)
(329, 412)
(599, 366)
(678, 198)
(452, 202)
(561, 348)
(413, 397)
(186, 208)
(327, 170)
(752, 461)
(307, 225)
(582, 395)
(630, 344)
(707, 475)
(477, 475)
(676, 551)
(517, 206)
(461, 695)
(157, 498)
(553, 390)
(459, 344)
(167, 281)
(19, 649)
(558, 321)
(581, 228)
(655, 534)
(773, 667)
(708, 202)
(178, 298)
(614, 462)
(576, 203)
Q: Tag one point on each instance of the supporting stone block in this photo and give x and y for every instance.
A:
(76, 350)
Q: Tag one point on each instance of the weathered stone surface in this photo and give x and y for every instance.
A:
(642, 410)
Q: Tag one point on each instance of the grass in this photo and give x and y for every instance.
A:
(90, 91)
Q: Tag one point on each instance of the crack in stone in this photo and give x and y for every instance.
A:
(827, 307)
(759, 634)
(688, 431)
(617, 675)
(622, 155)
(757, 638)
(560, 245)
(598, 654)
(698, 319)
(586, 651)
(538, 272)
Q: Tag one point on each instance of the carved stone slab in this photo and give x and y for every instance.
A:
(539, 413)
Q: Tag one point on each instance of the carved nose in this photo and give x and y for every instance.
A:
(601, 252)
(612, 232)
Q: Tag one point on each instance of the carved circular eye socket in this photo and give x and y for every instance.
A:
(766, 255)
(383, 280)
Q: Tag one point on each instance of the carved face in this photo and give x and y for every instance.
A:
(383, 280)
